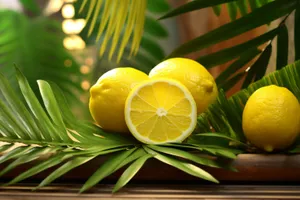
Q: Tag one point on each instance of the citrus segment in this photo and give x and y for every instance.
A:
(137, 118)
(160, 111)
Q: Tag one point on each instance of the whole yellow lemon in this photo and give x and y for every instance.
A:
(271, 118)
(108, 96)
(193, 75)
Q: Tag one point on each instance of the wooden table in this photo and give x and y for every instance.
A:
(259, 177)
(70, 192)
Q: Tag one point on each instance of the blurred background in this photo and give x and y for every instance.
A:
(47, 39)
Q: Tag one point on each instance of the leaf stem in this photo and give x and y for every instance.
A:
(41, 143)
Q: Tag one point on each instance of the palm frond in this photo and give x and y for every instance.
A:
(233, 6)
(36, 46)
(48, 128)
(242, 55)
(127, 15)
(149, 52)
(225, 115)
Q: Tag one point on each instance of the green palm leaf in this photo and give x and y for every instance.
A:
(182, 165)
(114, 17)
(225, 116)
(148, 51)
(131, 171)
(189, 156)
(232, 5)
(45, 129)
(262, 12)
(232, 108)
(253, 20)
(34, 45)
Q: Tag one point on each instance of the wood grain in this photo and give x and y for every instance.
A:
(70, 192)
(251, 168)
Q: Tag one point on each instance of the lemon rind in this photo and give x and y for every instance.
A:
(187, 95)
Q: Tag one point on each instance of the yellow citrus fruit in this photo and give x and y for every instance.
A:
(160, 111)
(108, 96)
(271, 118)
(193, 75)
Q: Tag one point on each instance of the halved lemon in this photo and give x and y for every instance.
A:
(160, 111)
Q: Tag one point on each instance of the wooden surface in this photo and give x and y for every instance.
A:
(70, 192)
(259, 177)
(251, 168)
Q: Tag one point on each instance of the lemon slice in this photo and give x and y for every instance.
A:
(160, 111)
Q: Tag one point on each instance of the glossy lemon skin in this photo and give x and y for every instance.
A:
(271, 118)
(193, 75)
(108, 96)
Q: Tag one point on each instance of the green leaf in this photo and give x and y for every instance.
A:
(129, 173)
(253, 4)
(51, 162)
(132, 157)
(232, 81)
(18, 110)
(36, 108)
(253, 20)
(182, 165)
(218, 151)
(154, 28)
(75, 162)
(245, 58)
(296, 33)
(232, 10)
(217, 9)
(53, 109)
(192, 6)
(158, 6)
(282, 48)
(32, 46)
(189, 156)
(243, 6)
(31, 5)
(220, 135)
(232, 108)
(153, 48)
(64, 169)
(106, 169)
(5, 147)
(31, 155)
(228, 54)
(263, 63)
(215, 150)
(85, 130)
(10, 124)
(14, 153)
(258, 69)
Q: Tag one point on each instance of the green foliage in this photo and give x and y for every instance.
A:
(36, 46)
(232, 5)
(49, 128)
(148, 53)
(225, 115)
(31, 5)
(262, 12)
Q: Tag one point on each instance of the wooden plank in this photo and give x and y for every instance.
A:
(68, 192)
(251, 167)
